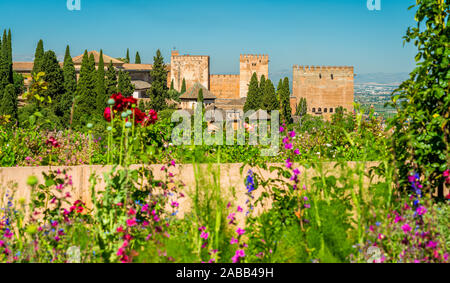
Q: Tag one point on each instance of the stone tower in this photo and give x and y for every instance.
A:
(250, 64)
(325, 88)
(192, 68)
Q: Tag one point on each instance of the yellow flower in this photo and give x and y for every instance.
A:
(435, 115)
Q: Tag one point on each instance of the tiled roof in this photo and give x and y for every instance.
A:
(23, 66)
(106, 59)
(138, 67)
(192, 93)
(139, 85)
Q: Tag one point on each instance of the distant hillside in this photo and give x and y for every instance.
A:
(381, 78)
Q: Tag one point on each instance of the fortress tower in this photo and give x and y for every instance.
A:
(250, 64)
(192, 68)
(325, 88)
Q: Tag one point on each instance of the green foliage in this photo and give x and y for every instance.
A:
(158, 91)
(85, 94)
(253, 100)
(100, 87)
(269, 98)
(53, 76)
(8, 104)
(285, 102)
(38, 57)
(124, 84)
(111, 80)
(127, 58)
(421, 130)
(302, 108)
(138, 58)
(66, 102)
(183, 86)
(200, 96)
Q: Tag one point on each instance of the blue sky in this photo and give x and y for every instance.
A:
(314, 32)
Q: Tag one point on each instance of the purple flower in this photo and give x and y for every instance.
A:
(406, 228)
(240, 231)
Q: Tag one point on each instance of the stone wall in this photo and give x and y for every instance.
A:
(191, 68)
(225, 86)
(250, 64)
(325, 88)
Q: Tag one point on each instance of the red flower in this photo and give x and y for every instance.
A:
(52, 142)
(107, 114)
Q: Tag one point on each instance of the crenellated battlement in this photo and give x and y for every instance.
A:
(190, 57)
(254, 57)
(225, 76)
(323, 68)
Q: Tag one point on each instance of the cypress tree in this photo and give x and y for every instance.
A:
(200, 96)
(85, 94)
(269, 100)
(138, 58)
(183, 86)
(279, 88)
(252, 102)
(285, 97)
(158, 91)
(124, 85)
(128, 56)
(302, 107)
(100, 88)
(53, 76)
(66, 102)
(261, 88)
(8, 105)
(172, 86)
(5, 66)
(37, 67)
(111, 80)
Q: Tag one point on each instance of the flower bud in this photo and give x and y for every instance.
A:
(111, 101)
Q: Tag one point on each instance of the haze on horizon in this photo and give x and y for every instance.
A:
(320, 32)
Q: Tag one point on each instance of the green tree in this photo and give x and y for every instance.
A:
(53, 76)
(285, 99)
(66, 103)
(100, 88)
(111, 80)
(85, 94)
(422, 133)
(127, 58)
(200, 96)
(269, 99)
(6, 76)
(183, 86)
(253, 101)
(8, 105)
(172, 86)
(38, 57)
(302, 108)
(138, 58)
(124, 85)
(158, 91)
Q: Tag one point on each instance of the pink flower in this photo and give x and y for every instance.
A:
(120, 229)
(239, 209)
(288, 146)
(202, 228)
(156, 218)
(145, 208)
(54, 223)
(406, 228)
(297, 151)
(204, 235)
(240, 231)
(421, 210)
(292, 134)
(296, 172)
(131, 222)
(288, 163)
(281, 129)
(131, 211)
(432, 245)
(446, 173)
(172, 163)
(234, 241)
(175, 204)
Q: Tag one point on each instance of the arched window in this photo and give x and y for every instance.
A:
(320, 76)
(314, 110)
(320, 109)
(325, 110)
(332, 77)
(331, 110)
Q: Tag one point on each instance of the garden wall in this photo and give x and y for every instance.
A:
(232, 185)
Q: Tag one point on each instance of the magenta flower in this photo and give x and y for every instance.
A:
(175, 204)
(288, 163)
(432, 245)
(292, 134)
(288, 146)
(204, 235)
(297, 151)
(296, 172)
(131, 211)
(145, 208)
(234, 241)
(421, 210)
(239, 209)
(281, 129)
(172, 163)
(240, 231)
(406, 228)
(131, 222)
